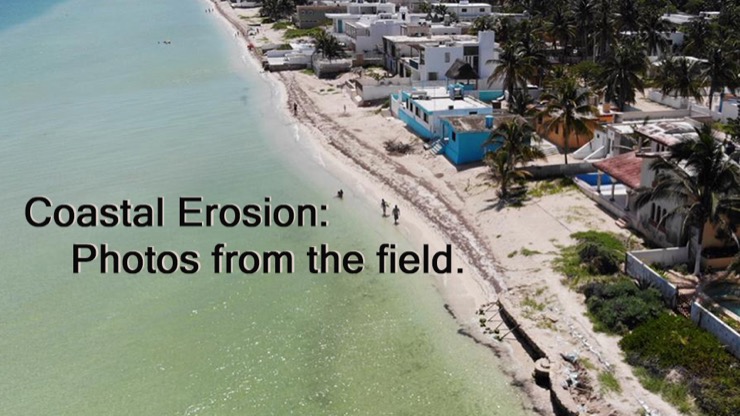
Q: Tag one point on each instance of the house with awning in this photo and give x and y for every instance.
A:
(618, 178)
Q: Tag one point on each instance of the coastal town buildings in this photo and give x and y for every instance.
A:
(625, 171)
(428, 59)
(464, 138)
(422, 110)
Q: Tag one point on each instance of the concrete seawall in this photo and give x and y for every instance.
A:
(562, 402)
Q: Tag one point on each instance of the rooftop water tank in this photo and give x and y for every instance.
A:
(489, 122)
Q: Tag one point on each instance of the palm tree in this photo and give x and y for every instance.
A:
(604, 27)
(568, 108)
(681, 77)
(513, 67)
(328, 46)
(627, 15)
(622, 73)
(522, 104)
(561, 28)
(503, 27)
(482, 24)
(652, 27)
(583, 13)
(277, 9)
(722, 72)
(425, 7)
(698, 33)
(701, 181)
(514, 140)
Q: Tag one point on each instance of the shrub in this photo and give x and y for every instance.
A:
(672, 342)
(621, 306)
(600, 252)
(293, 33)
(282, 25)
(396, 148)
(595, 254)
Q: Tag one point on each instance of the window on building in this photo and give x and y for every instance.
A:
(426, 119)
(447, 56)
(658, 215)
(482, 10)
(432, 76)
(417, 112)
(463, 10)
(454, 136)
(472, 112)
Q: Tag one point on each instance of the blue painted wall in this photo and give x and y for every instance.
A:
(491, 95)
(420, 130)
(467, 147)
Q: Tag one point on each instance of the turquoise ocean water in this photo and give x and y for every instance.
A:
(94, 110)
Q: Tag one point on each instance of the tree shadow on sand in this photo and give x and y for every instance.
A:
(515, 198)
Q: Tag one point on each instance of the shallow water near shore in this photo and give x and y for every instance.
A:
(96, 109)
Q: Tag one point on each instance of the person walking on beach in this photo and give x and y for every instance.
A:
(396, 214)
(340, 194)
(295, 109)
(383, 206)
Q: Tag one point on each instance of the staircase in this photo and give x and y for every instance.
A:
(686, 285)
(436, 147)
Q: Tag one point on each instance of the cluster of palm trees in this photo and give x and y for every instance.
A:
(612, 40)
(617, 37)
(436, 12)
(278, 9)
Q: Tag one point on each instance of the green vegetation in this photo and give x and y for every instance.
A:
(293, 33)
(527, 252)
(618, 307)
(514, 149)
(277, 9)
(532, 303)
(308, 71)
(672, 342)
(609, 383)
(595, 255)
(674, 393)
(282, 25)
(551, 187)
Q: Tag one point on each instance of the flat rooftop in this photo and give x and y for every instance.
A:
(478, 122)
(430, 39)
(440, 104)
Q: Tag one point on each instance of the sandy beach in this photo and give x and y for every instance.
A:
(506, 252)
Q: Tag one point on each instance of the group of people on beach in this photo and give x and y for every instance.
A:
(384, 205)
(209, 10)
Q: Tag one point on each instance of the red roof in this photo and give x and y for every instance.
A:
(625, 168)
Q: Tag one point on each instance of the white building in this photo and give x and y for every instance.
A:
(356, 10)
(427, 59)
(466, 11)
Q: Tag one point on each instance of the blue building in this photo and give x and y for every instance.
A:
(463, 137)
(422, 110)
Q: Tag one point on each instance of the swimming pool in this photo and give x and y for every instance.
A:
(727, 294)
(592, 179)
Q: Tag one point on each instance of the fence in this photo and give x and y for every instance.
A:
(708, 321)
(642, 272)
